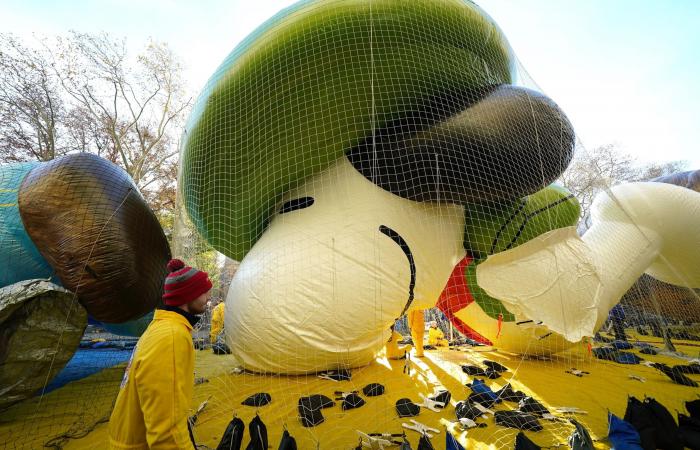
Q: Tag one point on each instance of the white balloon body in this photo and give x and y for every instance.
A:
(523, 336)
(569, 283)
(322, 286)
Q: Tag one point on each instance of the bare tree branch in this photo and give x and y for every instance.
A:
(84, 92)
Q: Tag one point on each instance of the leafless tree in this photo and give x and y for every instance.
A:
(655, 170)
(133, 107)
(593, 171)
(31, 106)
(85, 93)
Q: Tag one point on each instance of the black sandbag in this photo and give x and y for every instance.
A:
(580, 439)
(507, 393)
(688, 421)
(319, 401)
(665, 428)
(373, 390)
(258, 434)
(693, 408)
(641, 418)
(406, 408)
(606, 353)
(620, 357)
(233, 436)
(287, 442)
(518, 420)
(532, 406)
(442, 397)
(474, 371)
(689, 431)
(492, 374)
(467, 410)
(259, 399)
(352, 401)
(522, 442)
(621, 345)
(677, 376)
(482, 398)
(493, 365)
(649, 351)
(689, 368)
(425, 444)
(310, 410)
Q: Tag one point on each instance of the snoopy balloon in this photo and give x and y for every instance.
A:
(351, 154)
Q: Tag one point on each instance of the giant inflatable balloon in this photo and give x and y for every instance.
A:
(558, 287)
(73, 231)
(569, 283)
(338, 152)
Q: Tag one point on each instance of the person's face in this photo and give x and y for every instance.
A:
(199, 305)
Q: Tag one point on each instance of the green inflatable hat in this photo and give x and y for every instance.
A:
(416, 94)
(492, 227)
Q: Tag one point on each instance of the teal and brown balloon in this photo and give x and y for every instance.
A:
(77, 238)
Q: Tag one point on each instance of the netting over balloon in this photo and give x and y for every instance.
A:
(364, 178)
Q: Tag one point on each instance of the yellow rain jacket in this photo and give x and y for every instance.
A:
(217, 321)
(436, 337)
(156, 392)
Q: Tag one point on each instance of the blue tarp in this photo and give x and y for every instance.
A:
(479, 387)
(451, 443)
(87, 362)
(622, 435)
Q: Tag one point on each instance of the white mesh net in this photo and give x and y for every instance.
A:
(363, 178)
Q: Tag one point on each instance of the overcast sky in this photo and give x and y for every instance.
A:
(626, 72)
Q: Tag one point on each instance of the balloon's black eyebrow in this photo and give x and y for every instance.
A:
(401, 242)
(297, 203)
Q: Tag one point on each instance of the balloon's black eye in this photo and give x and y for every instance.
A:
(297, 203)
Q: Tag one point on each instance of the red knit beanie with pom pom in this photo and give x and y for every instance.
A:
(184, 284)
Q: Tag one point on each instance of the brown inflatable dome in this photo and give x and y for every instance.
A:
(90, 223)
(40, 329)
(689, 179)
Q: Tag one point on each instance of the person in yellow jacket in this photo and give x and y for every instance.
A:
(155, 396)
(217, 322)
(436, 337)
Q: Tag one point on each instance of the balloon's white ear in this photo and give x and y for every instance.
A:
(570, 283)
(552, 279)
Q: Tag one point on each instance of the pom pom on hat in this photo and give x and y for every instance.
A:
(184, 284)
(175, 264)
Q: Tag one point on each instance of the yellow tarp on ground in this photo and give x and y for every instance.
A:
(76, 407)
